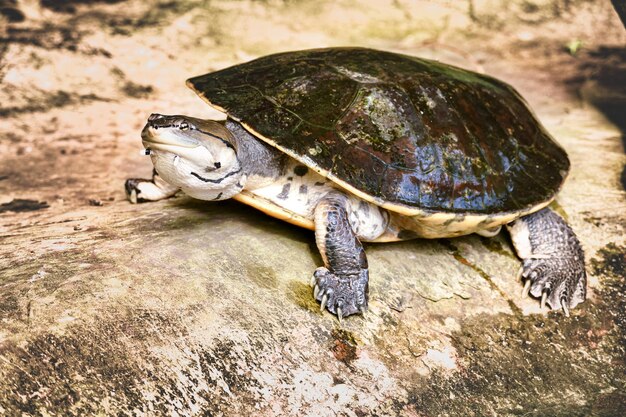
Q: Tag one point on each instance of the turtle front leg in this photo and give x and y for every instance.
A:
(341, 285)
(553, 259)
(140, 190)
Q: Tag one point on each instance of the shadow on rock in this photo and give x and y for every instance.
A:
(602, 83)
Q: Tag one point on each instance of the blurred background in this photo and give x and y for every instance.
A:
(188, 308)
(111, 62)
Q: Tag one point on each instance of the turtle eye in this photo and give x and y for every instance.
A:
(184, 126)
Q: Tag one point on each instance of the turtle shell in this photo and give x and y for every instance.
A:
(410, 134)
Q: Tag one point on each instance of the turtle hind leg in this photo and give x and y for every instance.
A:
(553, 260)
(140, 190)
(341, 285)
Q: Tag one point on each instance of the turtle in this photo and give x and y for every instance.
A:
(361, 145)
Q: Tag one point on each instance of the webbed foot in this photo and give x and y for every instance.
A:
(139, 190)
(341, 286)
(553, 260)
(341, 295)
(560, 282)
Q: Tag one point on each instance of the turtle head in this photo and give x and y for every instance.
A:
(199, 156)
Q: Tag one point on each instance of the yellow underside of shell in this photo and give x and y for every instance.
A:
(439, 225)
(274, 210)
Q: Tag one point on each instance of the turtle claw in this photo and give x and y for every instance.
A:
(526, 288)
(131, 186)
(323, 303)
(342, 295)
(564, 306)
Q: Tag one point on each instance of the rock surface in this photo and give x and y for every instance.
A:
(184, 307)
